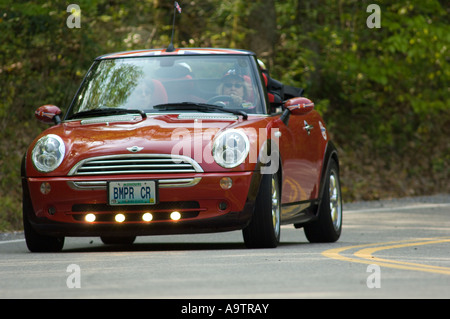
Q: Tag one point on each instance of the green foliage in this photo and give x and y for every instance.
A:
(384, 92)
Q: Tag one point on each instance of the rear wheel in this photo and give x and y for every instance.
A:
(264, 228)
(328, 226)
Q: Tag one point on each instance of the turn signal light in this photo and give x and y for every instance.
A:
(226, 183)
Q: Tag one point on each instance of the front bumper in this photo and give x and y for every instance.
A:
(204, 206)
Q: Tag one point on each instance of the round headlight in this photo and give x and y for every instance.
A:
(231, 148)
(48, 153)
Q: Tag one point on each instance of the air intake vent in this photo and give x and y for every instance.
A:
(136, 164)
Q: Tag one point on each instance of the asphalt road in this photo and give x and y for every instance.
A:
(389, 249)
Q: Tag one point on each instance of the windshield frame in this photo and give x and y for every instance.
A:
(261, 101)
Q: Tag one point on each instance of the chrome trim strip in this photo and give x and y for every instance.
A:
(175, 161)
(180, 182)
(178, 113)
(87, 186)
(208, 116)
(163, 183)
(118, 172)
(108, 119)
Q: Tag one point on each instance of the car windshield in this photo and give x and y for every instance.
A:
(160, 83)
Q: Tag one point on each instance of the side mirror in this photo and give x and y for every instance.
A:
(48, 114)
(299, 105)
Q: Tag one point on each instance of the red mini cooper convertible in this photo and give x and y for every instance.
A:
(186, 141)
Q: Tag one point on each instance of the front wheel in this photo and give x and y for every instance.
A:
(35, 241)
(328, 226)
(264, 228)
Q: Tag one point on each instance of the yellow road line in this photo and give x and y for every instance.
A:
(365, 255)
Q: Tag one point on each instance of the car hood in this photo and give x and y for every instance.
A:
(185, 134)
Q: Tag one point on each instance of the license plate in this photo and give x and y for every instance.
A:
(133, 193)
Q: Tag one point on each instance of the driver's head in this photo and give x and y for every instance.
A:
(234, 84)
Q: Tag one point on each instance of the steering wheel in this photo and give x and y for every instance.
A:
(220, 99)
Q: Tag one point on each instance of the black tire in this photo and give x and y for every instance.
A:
(127, 240)
(264, 228)
(35, 241)
(328, 226)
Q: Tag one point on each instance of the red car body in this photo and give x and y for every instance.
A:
(172, 149)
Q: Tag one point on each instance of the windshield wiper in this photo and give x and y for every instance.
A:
(203, 107)
(106, 111)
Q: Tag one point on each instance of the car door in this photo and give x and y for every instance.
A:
(300, 145)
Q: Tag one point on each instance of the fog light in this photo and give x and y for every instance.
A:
(147, 217)
(226, 182)
(90, 218)
(120, 218)
(175, 215)
(223, 206)
(51, 210)
(45, 188)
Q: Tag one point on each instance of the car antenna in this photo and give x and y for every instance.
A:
(176, 7)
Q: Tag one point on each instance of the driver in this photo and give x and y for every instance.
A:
(235, 86)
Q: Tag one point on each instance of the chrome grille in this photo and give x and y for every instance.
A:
(136, 164)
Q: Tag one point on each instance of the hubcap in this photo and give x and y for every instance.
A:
(335, 201)
(275, 208)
